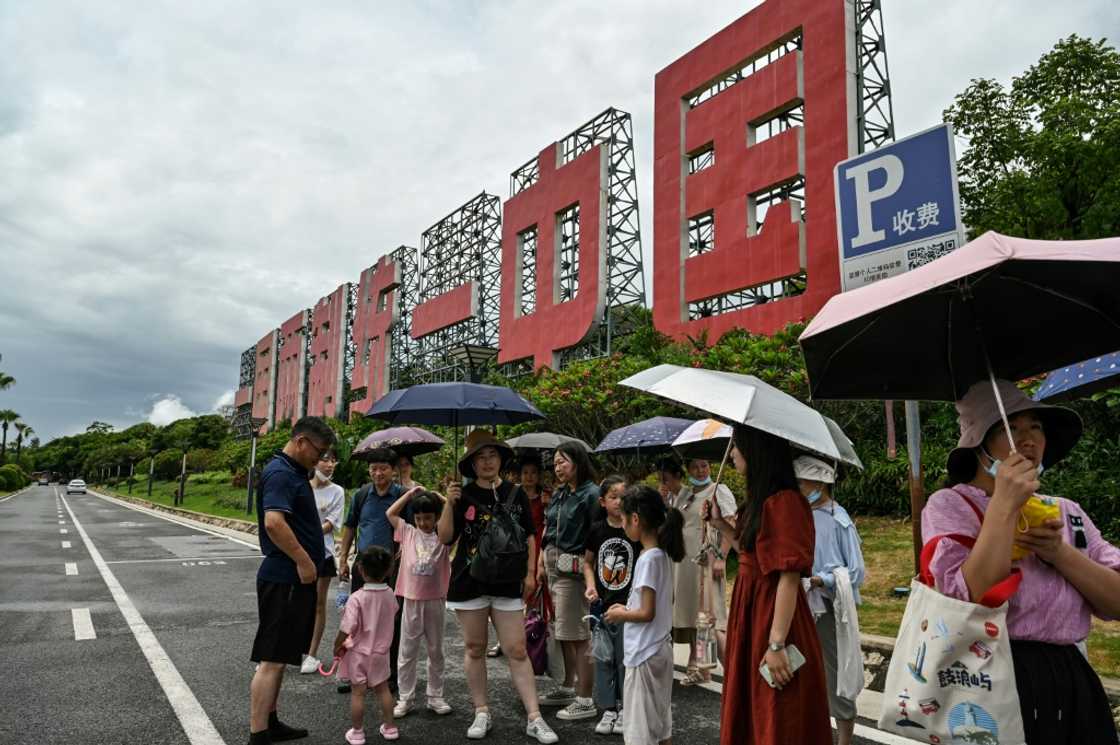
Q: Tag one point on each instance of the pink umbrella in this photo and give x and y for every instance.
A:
(997, 307)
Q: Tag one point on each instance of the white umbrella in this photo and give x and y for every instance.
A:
(707, 439)
(747, 400)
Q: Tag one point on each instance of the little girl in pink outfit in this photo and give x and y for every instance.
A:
(363, 642)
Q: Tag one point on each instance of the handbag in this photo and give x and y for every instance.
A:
(536, 641)
(951, 677)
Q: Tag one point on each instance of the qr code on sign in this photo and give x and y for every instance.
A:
(916, 257)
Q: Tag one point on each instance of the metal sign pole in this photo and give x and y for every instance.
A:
(182, 481)
(249, 477)
(151, 472)
(917, 492)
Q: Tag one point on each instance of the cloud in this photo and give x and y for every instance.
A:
(169, 409)
(178, 178)
(226, 399)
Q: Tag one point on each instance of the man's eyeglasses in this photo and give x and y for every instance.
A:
(320, 450)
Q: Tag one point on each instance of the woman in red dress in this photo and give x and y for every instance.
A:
(769, 612)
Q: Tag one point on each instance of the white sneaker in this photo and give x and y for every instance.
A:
(439, 706)
(310, 665)
(606, 724)
(618, 723)
(480, 727)
(539, 729)
(581, 708)
(402, 708)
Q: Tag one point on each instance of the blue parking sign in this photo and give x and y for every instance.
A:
(897, 207)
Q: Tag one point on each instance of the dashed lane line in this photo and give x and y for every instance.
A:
(193, 718)
(71, 569)
(83, 624)
(66, 544)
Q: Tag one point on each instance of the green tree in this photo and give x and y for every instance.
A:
(1043, 156)
(21, 433)
(7, 418)
(100, 428)
(6, 381)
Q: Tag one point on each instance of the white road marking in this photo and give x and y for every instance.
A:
(61, 522)
(184, 523)
(213, 559)
(71, 569)
(193, 718)
(63, 531)
(66, 544)
(83, 624)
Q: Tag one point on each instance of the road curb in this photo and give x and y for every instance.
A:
(229, 523)
(16, 493)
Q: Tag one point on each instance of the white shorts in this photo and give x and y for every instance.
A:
(482, 602)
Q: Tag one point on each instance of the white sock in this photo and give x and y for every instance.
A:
(582, 700)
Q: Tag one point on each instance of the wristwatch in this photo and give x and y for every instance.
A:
(776, 646)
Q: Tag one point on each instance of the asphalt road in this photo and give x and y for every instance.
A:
(117, 626)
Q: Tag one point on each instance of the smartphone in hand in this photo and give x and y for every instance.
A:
(796, 660)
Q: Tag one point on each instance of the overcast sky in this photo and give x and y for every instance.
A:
(178, 178)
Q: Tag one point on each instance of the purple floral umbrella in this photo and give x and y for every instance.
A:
(404, 440)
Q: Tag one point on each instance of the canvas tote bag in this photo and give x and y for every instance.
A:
(951, 677)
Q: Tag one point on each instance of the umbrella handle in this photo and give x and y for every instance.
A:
(995, 389)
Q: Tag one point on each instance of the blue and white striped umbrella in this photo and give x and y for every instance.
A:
(1081, 380)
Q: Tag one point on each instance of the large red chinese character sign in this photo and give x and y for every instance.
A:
(291, 368)
(326, 354)
(377, 311)
(458, 288)
(264, 379)
(747, 129)
(570, 245)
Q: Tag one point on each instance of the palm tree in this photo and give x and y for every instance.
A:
(6, 381)
(21, 433)
(7, 416)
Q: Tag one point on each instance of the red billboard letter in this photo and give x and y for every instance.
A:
(555, 230)
(327, 354)
(264, 380)
(747, 129)
(376, 313)
(291, 368)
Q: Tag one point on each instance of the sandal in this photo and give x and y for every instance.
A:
(389, 733)
(692, 677)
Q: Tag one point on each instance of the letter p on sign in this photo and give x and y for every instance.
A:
(860, 175)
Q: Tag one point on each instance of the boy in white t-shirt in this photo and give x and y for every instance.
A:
(425, 569)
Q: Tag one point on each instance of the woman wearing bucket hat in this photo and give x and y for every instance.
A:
(476, 510)
(1069, 572)
(837, 546)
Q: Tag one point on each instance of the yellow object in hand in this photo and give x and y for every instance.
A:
(1034, 513)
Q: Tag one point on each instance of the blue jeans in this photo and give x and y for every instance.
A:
(609, 676)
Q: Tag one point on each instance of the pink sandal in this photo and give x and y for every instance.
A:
(356, 736)
(389, 733)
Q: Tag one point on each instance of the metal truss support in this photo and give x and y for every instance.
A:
(401, 346)
(465, 246)
(875, 117)
(248, 368)
(349, 351)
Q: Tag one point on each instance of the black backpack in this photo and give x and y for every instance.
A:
(502, 553)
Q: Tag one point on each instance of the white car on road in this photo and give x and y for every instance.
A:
(77, 486)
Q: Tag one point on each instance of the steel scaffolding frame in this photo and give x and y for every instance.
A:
(527, 269)
(875, 119)
(463, 247)
(248, 368)
(401, 346)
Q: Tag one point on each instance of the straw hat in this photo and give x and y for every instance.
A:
(978, 412)
(477, 440)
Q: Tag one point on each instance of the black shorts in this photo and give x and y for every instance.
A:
(328, 568)
(287, 621)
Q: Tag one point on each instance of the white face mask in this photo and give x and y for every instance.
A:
(321, 476)
(814, 496)
(993, 467)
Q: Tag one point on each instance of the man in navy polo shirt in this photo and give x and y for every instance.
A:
(291, 539)
(367, 518)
